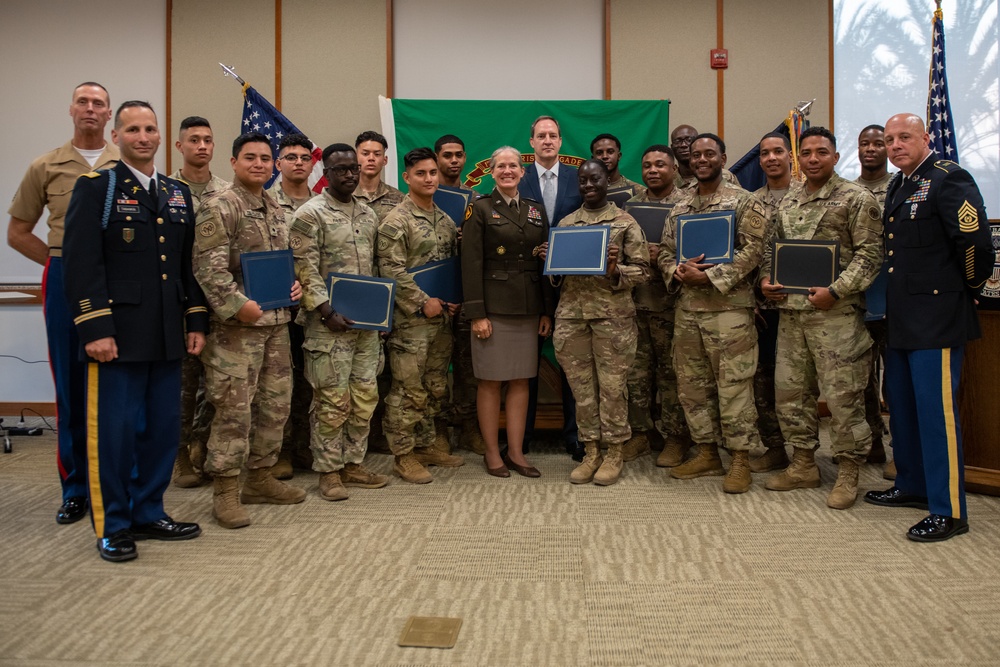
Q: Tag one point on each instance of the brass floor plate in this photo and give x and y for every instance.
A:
(430, 632)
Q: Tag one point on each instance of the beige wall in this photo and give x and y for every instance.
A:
(334, 62)
(660, 49)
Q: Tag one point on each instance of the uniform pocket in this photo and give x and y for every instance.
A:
(226, 362)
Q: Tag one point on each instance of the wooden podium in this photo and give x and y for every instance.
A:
(977, 395)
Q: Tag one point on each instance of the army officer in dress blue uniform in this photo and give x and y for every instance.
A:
(939, 252)
(132, 293)
(508, 303)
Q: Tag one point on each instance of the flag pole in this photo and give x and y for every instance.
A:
(229, 71)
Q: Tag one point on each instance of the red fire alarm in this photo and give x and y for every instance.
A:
(719, 58)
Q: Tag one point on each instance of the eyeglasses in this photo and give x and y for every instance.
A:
(341, 169)
(297, 158)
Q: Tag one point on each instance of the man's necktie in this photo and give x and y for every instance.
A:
(152, 194)
(549, 195)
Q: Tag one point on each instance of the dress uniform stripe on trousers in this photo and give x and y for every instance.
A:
(951, 433)
(93, 467)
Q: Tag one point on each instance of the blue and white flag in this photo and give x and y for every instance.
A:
(259, 115)
(940, 125)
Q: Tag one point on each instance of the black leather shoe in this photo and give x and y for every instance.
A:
(118, 547)
(893, 497)
(937, 528)
(166, 529)
(72, 510)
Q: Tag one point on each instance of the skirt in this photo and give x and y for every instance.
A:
(511, 353)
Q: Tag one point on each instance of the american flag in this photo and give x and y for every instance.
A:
(259, 115)
(940, 125)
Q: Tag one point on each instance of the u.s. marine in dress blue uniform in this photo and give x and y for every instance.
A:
(132, 281)
(939, 254)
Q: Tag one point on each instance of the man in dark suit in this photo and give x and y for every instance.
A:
(132, 294)
(555, 184)
(939, 254)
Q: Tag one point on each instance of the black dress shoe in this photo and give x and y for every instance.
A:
(893, 497)
(166, 529)
(72, 510)
(118, 547)
(937, 528)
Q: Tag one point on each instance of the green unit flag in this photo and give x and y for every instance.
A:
(485, 125)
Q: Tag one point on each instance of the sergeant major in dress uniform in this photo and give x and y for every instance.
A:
(940, 254)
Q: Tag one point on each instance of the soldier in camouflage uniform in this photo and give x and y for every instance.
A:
(715, 341)
(247, 352)
(334, 233)
(381, 198)
(450, 152)
(295, 162)
(822, 342)
(775, 157)
(875, 176)
(608, 149)
(680, 142)
(414, 233)
(652, 372)
(595, 332)
(197, 146)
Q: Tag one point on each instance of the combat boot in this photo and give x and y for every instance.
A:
(283, 468)
(409, 467)
(705, 462)
(611, 468)
(802, 473)
(637, 445)
(845, 490)
(357, 475)
(738, 478)
(262, 487)
(471, 438)
(184, 473)
(331, 487)
(432, 456)
(889, 471)
(226, 507)
(674, 452)
(592, 461)
(442, 442)
(775, 458)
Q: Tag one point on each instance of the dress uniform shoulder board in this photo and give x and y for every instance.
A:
(530, 200)
(947, 166)
(480, 195)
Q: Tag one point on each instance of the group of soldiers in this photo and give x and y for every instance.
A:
(703, 371)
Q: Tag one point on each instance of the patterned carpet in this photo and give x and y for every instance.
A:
(650, 571)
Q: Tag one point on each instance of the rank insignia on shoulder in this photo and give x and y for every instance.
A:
(501, 250)
(968, 218)
(92, 174)
(946, 165)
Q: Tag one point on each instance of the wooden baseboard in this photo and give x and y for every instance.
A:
(982, 480)
(14, 409)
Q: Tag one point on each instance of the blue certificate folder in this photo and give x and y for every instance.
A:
(366, 300)
(713, 234)
(441, 279)
(453, 201)
(268, 278)
(578, 251)
(875, 295)
(651, 216)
